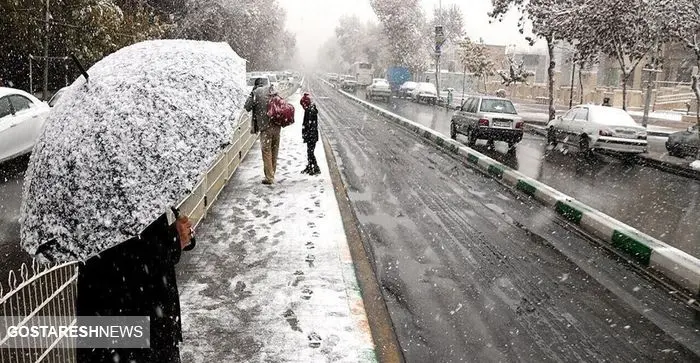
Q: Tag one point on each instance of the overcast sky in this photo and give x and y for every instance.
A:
(314, 21)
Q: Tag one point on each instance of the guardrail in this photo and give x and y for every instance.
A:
(51, 290)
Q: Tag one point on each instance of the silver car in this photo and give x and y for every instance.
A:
(490, 118)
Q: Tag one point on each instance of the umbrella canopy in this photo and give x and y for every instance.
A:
(119, 150)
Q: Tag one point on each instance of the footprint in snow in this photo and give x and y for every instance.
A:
(314, 340)
(306, 293)
(310, 245)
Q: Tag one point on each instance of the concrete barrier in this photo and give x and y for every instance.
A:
(674, 264)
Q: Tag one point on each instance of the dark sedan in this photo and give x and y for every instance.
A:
(684, 143)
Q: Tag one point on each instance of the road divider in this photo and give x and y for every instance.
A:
(670, 262)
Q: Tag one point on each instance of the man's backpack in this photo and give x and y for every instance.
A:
(280, 111)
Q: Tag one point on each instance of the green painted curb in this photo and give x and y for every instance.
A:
(526, 187)
(472, 158)
(567, 211)
(632, 247)
(496, 170)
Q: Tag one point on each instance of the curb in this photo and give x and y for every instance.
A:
(387, 348)
(676, 265)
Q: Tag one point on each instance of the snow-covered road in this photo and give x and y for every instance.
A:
(473, 272)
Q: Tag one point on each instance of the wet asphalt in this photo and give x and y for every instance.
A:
(11, 180)
(472, 272)
(663, 205)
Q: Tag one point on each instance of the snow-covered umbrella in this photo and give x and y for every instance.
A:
(123, 147)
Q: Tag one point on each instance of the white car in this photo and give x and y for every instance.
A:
(406, 88)
(425, 92)
(591, 127)
(379, 88)
(21, 118)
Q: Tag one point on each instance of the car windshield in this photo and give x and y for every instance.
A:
(409, 85)
(497, 106)
(611, 116)
(350, 78)
(381, 82)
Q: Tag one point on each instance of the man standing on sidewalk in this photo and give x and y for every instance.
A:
(269, 133)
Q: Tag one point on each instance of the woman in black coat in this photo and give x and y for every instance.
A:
(309, 133)
(137, 278)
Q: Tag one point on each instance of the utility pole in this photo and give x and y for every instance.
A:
(439, 39)
(652, 69)
(46, 52)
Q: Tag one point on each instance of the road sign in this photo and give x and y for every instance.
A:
(439, 37)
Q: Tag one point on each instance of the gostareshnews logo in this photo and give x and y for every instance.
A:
(74, 332)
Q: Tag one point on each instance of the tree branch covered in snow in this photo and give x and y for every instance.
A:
(253, 28)
(403, 23)
(682, 21)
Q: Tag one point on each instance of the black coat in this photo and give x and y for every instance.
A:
(309, 128)
(135, 278)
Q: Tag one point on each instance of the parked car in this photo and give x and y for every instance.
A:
(684, 143)
(490, 118)
(406, 89)
(333, 77)
(591, 127)
(379, 88)
(250, 82)
(21, 119)
(425, 92)
(349, 83)
(56, 96)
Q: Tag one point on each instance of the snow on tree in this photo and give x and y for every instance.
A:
(452, 21)
(90, 29)
(550, 19)
(682, 19)
(473, 58)
(516, 73)
(350, 34)
(404, 23)
(253, 28)
(626, 30)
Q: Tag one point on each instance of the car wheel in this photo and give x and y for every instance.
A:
(471, 137)
(584, 146)
(675, 151)
(453, 131)
(551, 136)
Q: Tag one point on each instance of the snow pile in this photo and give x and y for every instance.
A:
(119, 150)
(695, 165)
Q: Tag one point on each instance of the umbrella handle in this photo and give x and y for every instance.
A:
(193, 242)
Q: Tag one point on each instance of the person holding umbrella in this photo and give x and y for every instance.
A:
(123, 148)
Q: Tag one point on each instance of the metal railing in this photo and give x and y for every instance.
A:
(47, 294)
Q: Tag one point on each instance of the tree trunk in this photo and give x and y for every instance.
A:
(580, 83)
(696, 90)
(550, 77)
(624, 91)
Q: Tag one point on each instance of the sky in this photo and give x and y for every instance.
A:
(314, 21)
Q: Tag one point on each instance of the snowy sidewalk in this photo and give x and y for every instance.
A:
(271, 279)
